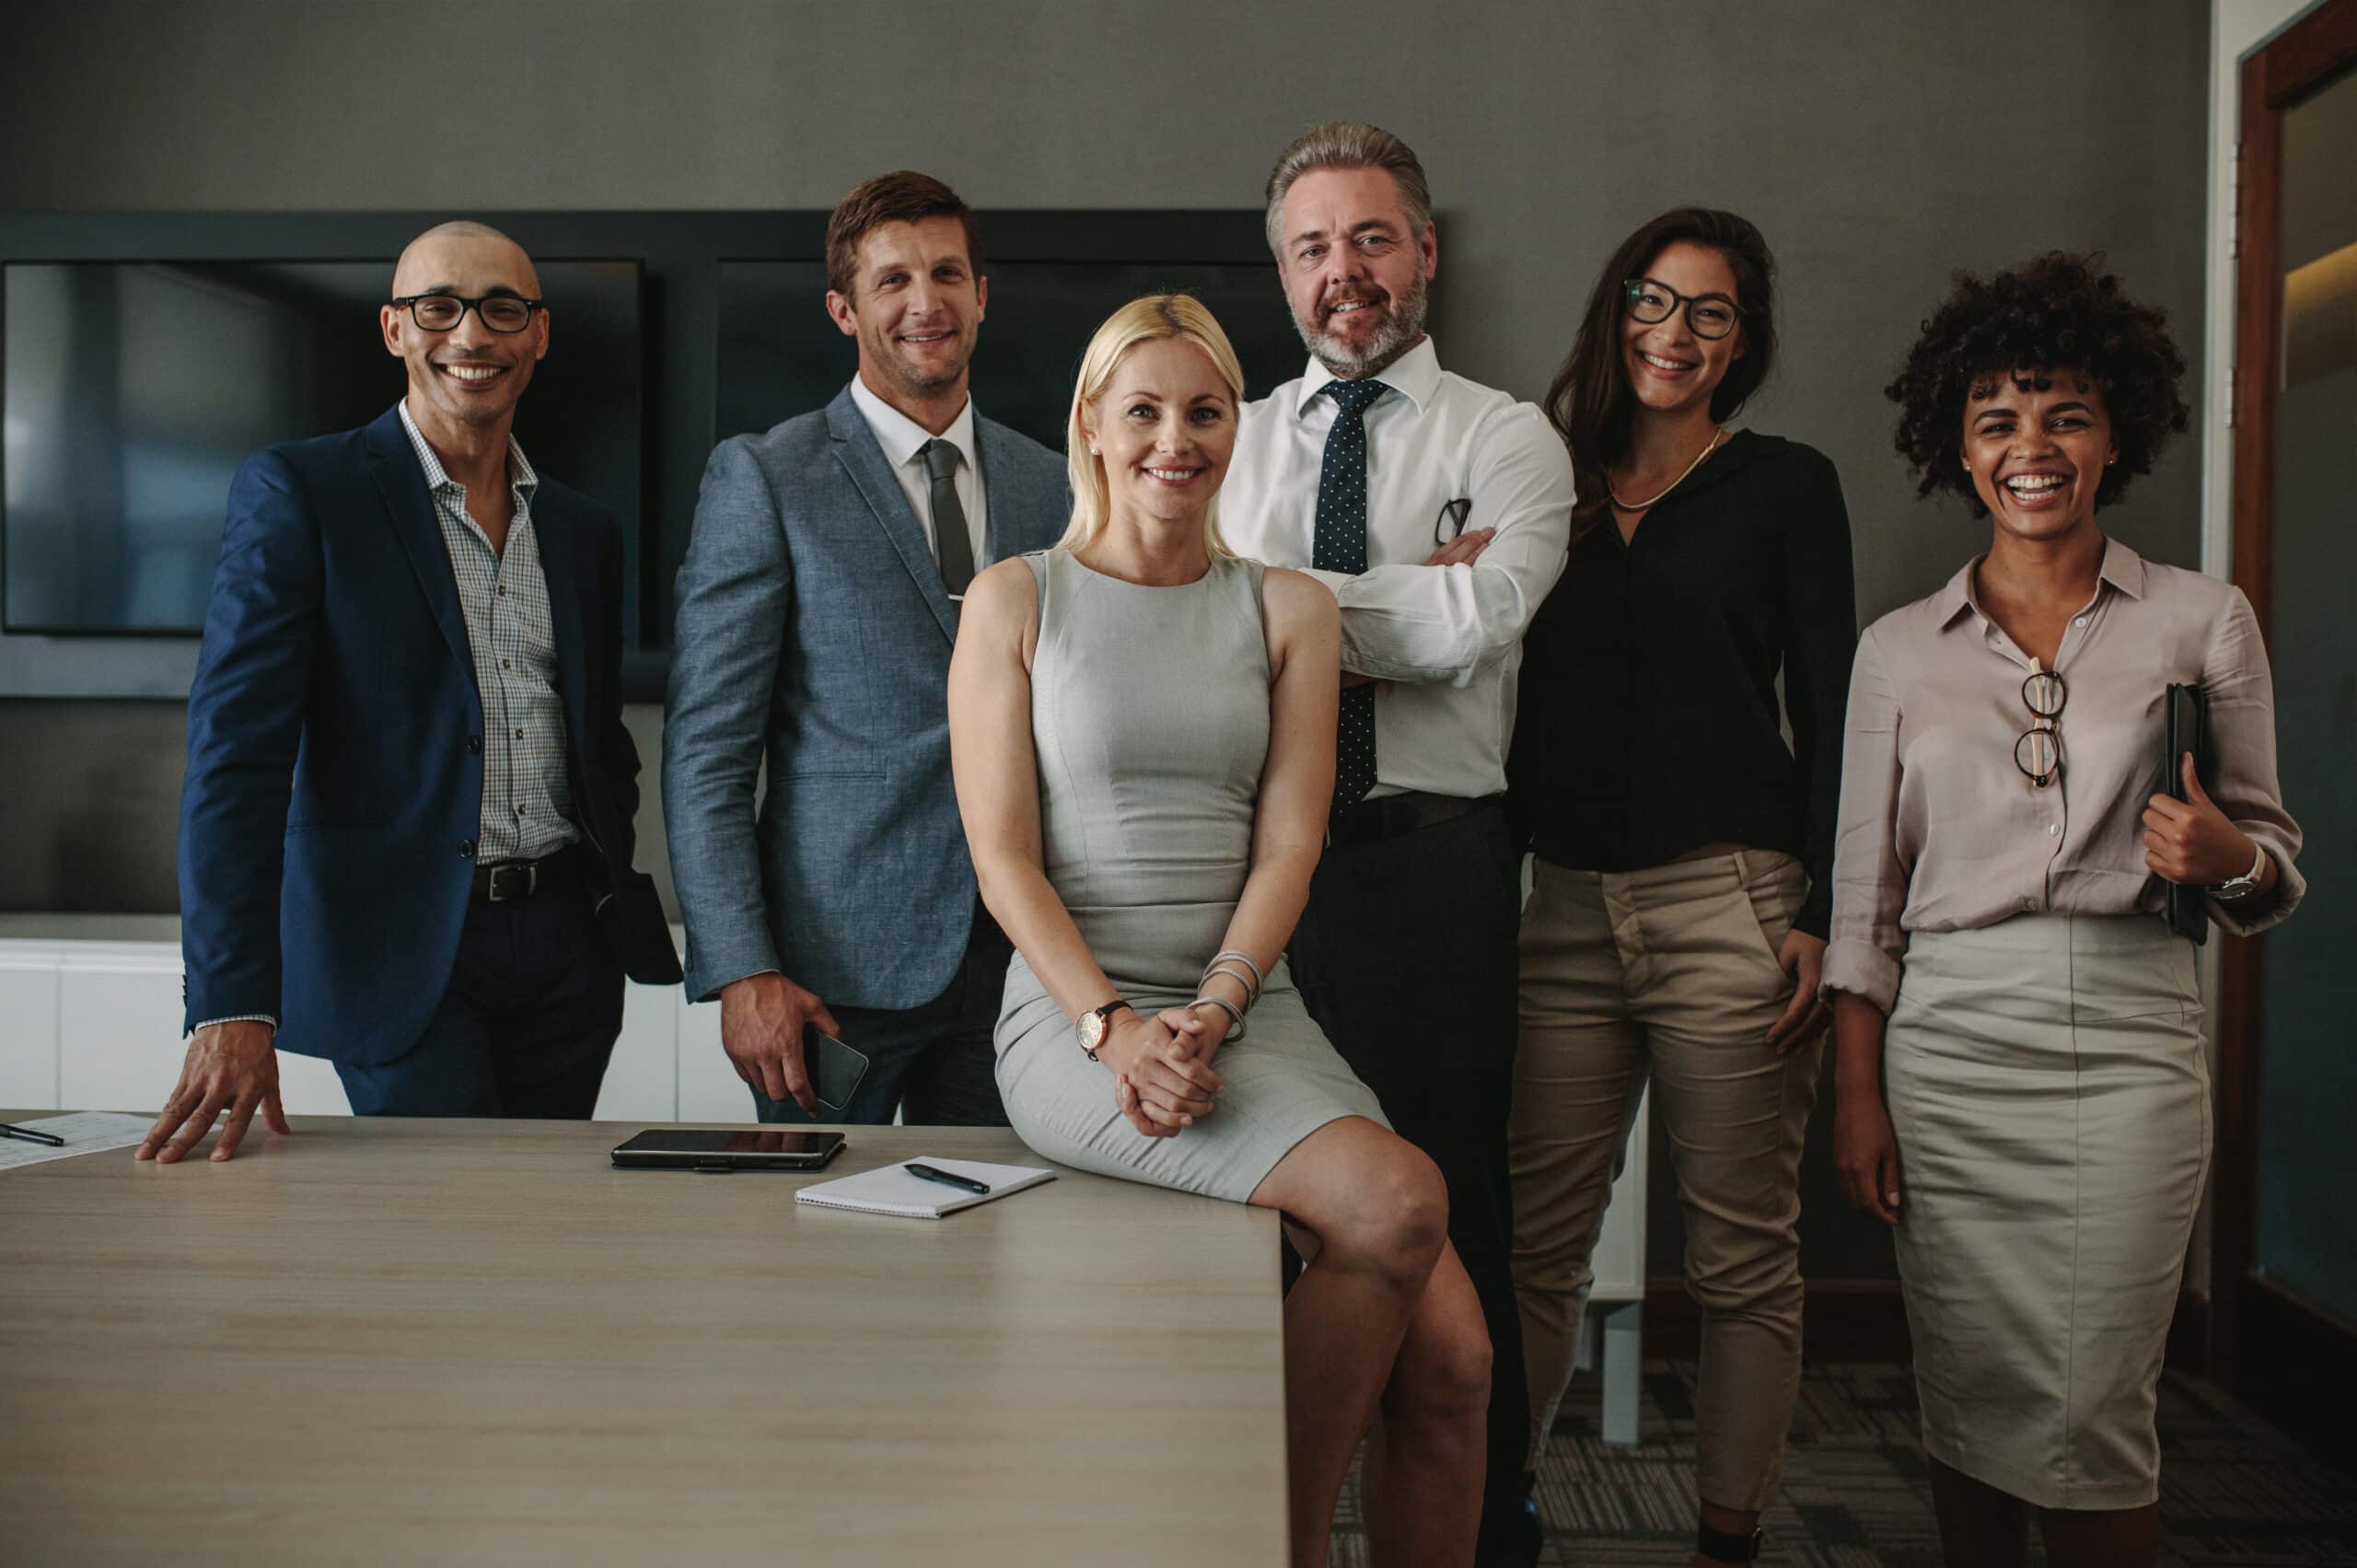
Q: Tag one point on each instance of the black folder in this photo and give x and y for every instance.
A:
(2188, 730)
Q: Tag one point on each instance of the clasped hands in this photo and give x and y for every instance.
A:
(1162, 1067)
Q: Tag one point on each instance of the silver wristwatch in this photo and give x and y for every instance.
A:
(2238, 887)
(1093, 1025)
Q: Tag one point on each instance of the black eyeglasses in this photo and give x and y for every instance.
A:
(1451, 520)
(441, 312)
(1711, 315)
(2039, 752)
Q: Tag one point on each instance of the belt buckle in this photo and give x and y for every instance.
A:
(504, 878)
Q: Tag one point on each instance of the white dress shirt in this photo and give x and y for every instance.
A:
(1445, 639)
(903, 440)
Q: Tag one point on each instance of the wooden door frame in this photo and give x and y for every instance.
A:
(2309, 56)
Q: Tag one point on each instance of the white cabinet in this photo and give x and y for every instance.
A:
(27, 1030)
(90, 1020)
(710, 1089)
(639, 1077)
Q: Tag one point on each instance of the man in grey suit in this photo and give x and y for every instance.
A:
(818, 607)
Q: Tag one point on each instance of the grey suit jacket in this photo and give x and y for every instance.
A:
(814, 635)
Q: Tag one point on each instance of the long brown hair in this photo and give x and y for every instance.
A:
(1591, 404)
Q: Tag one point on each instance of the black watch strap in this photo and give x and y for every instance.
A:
(1720, 1547)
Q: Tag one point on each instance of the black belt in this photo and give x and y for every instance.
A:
(505, 881)
(1390, 816)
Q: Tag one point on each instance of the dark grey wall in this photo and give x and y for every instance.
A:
(1879, 147)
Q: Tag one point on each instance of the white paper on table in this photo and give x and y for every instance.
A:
(85, 1132)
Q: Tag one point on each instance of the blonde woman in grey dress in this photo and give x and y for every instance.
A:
(1143, 729)
(2022, 1092)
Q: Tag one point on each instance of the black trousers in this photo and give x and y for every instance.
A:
(526, 1023)
(1406, 958)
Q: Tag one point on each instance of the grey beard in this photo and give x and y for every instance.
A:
(1401, 327)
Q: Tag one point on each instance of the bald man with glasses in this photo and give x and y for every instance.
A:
(406, 829)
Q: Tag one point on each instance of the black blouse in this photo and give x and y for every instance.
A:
(1647, 724)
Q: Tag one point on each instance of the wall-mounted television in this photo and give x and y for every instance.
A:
(133, 390)
(148, 353)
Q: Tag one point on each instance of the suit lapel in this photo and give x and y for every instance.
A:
(863, 459)
(1015, 524)
(554, 529)
(401, 483)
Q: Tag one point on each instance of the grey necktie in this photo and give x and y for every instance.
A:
(953, 547)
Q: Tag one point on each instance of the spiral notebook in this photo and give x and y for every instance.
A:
(890, 1189)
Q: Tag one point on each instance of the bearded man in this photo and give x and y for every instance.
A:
(1438, 510)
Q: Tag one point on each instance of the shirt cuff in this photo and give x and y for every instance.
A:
(1863, 970)
(239, 1018)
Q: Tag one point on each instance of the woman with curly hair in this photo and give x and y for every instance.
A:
(1683, 880)
(2021, 1085)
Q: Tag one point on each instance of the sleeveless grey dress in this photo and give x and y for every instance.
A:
(1150, 721)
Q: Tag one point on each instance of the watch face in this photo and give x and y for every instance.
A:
(1092, 1031)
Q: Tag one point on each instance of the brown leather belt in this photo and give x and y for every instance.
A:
(1388, 817)
(506, 881)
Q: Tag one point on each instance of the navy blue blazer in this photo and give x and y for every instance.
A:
(334, 781)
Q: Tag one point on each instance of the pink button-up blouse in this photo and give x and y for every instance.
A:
(1939, 831)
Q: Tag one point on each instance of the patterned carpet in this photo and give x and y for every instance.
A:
(2234, 1491)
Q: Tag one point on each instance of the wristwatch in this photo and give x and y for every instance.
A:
(1093, 1025)
(2237, 887)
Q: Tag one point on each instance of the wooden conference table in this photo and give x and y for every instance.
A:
(388, 1341)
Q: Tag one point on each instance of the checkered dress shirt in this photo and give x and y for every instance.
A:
(526, 798)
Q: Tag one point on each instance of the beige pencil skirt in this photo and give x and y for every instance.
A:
(2051, 1102)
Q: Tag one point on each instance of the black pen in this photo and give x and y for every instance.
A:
(948, 1179)
(54, 1142)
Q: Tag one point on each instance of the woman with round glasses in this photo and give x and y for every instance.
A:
(2001, 974)
(1684, 852)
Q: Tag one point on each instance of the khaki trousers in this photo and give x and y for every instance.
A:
(1668, 974)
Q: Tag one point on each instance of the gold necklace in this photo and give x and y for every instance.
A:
(1708, 447)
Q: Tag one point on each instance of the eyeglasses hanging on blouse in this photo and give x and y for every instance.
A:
(2039, 752)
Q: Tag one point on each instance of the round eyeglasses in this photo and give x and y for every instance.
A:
(2039, 752)
(442, 312)
(1711, 315)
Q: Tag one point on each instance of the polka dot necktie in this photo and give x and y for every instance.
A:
(1339, 544)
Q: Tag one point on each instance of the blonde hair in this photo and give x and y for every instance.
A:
(1148, 319)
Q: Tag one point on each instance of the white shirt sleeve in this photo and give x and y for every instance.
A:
(1447, 623)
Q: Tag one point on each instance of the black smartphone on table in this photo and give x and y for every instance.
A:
(698, 1148)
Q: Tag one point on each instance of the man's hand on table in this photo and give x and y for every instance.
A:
(232, 1066)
